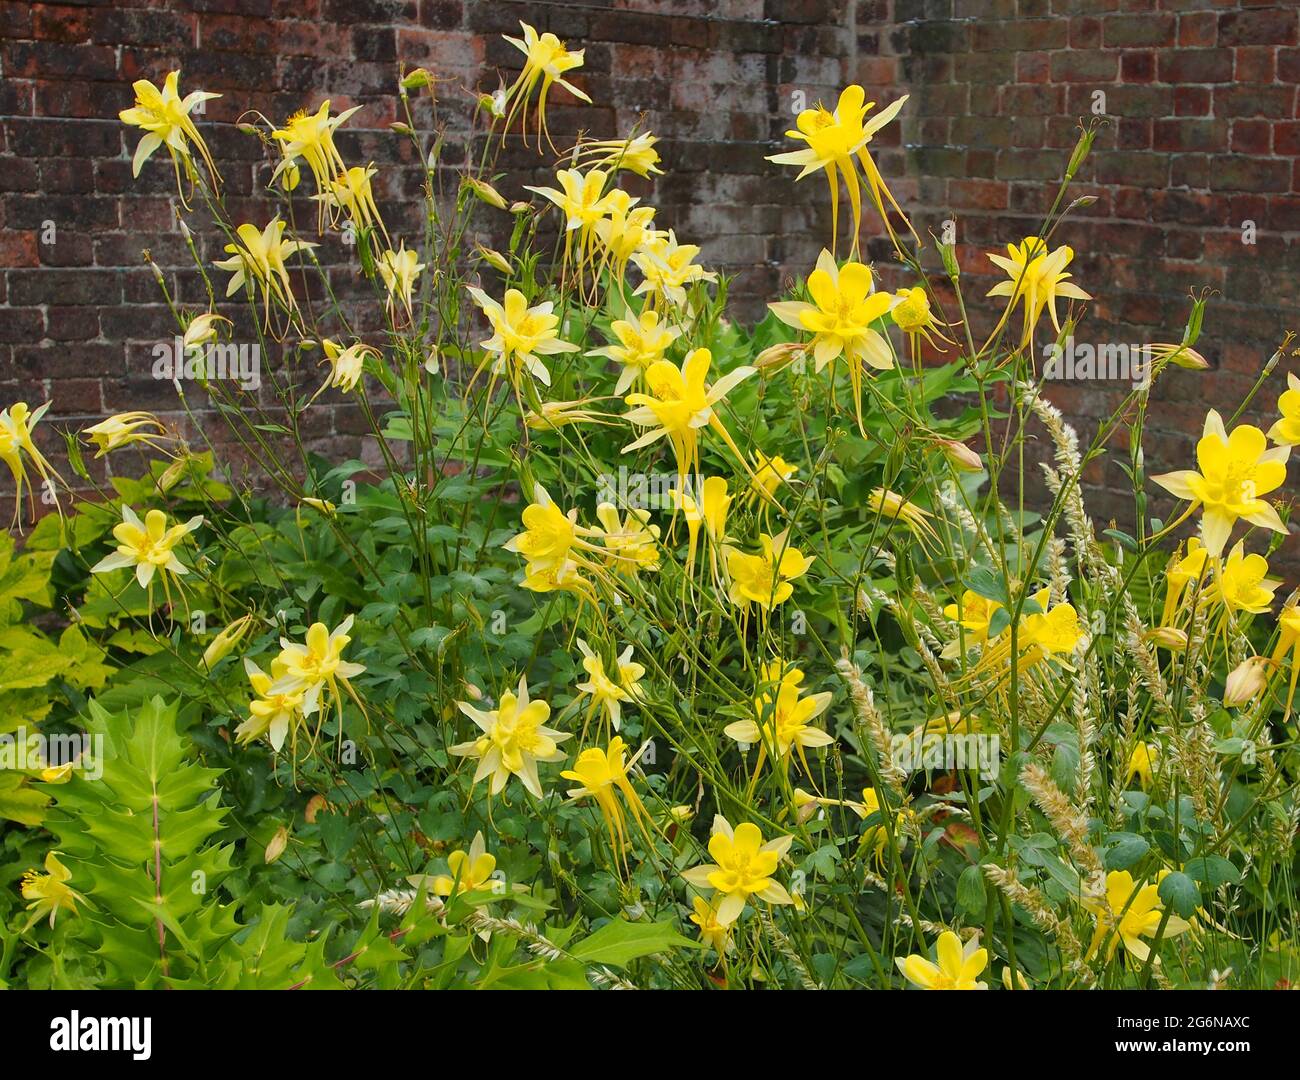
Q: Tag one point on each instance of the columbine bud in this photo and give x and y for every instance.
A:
(948, 253)
(485, 192)
(401, 128)
(960, 456)
(171, 475)
(473, 692)
(494, 259)
(416, 80)
(224, 643)
(290, 176)
(278, 843)
(775, 357)
(1246, 681)
(519, 207)
(1168, 637)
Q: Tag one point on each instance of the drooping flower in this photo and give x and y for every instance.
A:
(1235, 472)
(1286, 430)
(609, 691)
(124, 429)
(317, 666)
(623, 231)
(1288, 641)
(975, 614)
(1242, 583)
(17, 448)
(893, 507)
(678, 404)
(1181, 571)
(583, 200)
(876, 836)
(258, 259)
(911, 313)
(272, 714)
(347, 365)
(164, 117)
(521, 336)
(844, 306)
(399, 270)
(766, 579)
(514, 739)
(546, 61)
(642, 341)
(770, 474)
(636, 154)
(225, 641)
(958, 966)
(50, 891)
(668, 268)
(1141, 763)
(782, 721)
(1035, 278)
(631, 541)
(1246, 682)
(1127, 914)
(833, 139)
(705, 916)
(148, 546)
(309, 137)
(601, 773)
(742, 868)
(351, 194)
(708, 511)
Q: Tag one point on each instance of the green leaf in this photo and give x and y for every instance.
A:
(971, 895)
(1126, 849)
(1180, 892)
(618, 942)
(1212, 871)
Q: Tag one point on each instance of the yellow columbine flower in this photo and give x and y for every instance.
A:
(706, 918)
(1243, 583)
(600, 773)
(1181, 571)
(894, 507)
(910, 312)
(1141, 919)
(515, 738)
(310, 137)
(709, 511)
(546, 60)
(521, 336)
(123, 429)
(623, 231)
(469, 871)
(346, 365)
(642, 341)
(50, 891)
(1286, 431)
(958, 967)
(609, 692)
(16, 424)
(632, 543)
(164, 116)
(317, 665)
(1035, 278)
(1141, 763)
(149, 546)
(975, 614)
(844, 305)
(258, 258)
(1288, 641)
(1055, 632)
(1235, 471)
(557, 414)
(636, 154)
(351, 194)
(1013, 979)
(551, 538)
(678, 404)
(833, 140)
(399, 271)
(583, 201)
(877, 836)
(782, 718)
(743, 867)
(765, 579)
(272, 714)
(769, 474)
(668, 268)
(1246, 682)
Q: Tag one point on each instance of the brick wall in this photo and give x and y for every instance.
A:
(1202, 133)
